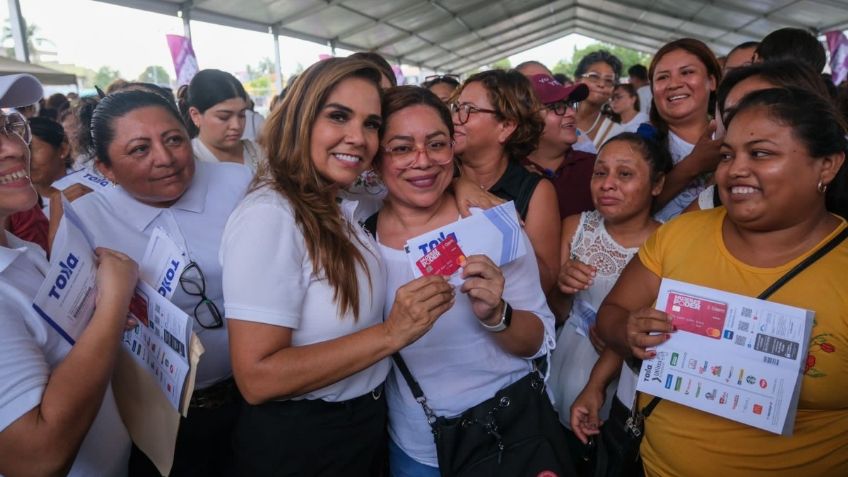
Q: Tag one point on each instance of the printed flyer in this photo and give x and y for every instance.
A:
(734, 356)
(161, 340)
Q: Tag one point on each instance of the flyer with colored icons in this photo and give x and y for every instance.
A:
(734, 356)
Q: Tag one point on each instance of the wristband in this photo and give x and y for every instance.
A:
(506, 319)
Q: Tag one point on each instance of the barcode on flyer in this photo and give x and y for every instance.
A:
(770, 360)
(746, 312)
(744, 326)
(740, 340)
(174, 343)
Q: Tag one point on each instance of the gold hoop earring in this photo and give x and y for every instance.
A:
(822, 187)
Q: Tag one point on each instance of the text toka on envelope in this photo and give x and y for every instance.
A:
(66, 297)
(734, 356)
(495, 233)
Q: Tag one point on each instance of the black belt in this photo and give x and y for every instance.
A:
(215, 396)
(319, 404)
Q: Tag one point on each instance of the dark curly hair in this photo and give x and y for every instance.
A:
(512, 97)
(600, 56)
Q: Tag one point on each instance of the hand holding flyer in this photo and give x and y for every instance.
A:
(734, 356)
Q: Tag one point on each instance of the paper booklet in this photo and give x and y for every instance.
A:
(734, 356)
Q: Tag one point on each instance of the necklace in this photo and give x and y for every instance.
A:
(595, 124)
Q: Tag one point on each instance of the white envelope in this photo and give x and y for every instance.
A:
(495, 233)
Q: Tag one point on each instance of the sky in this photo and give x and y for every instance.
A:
(94, 34)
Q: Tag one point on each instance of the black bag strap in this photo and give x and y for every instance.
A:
(417, 393)
(540, 366)
(821, 252)
(407, 376)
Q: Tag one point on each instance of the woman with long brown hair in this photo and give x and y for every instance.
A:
(304, 288)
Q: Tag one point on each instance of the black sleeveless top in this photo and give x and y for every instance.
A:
(517, 184)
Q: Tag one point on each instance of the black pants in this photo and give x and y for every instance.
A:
(313, 438)
(204, 445)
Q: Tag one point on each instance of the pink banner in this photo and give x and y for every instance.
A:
(185, 63)
(398, 74)
(837, 45)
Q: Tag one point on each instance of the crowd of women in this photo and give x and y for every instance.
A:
(301, 292)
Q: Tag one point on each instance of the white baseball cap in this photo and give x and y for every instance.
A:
(19, 90)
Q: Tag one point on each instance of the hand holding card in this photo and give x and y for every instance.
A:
(444, 259)
(696, 315)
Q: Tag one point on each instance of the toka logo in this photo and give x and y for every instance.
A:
(102, 182)
(67, 267)
(426, 247)
(166, 286)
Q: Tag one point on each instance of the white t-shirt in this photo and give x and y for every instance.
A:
(458, 363)
(268, 278)
(30, 349)
(253, 124)
(679, 149)
(253, 154)
(645, 99)
(196, 223)
(630, 126)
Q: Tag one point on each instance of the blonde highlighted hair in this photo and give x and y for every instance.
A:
(291, 172)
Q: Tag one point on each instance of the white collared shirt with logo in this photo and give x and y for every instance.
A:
(195, 223)
(30, 349)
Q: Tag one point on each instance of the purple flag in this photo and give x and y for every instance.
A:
(185, 63)
(837, 44)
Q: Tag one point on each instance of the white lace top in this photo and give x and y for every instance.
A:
(592, 245)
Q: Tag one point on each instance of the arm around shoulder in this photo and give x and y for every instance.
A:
(543, 228)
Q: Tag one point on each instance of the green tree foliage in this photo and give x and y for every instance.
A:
(155, 74)
(260, 87)
(105, 76)
(85, 76)
(627, 56)
(37, 45)
(502, 64)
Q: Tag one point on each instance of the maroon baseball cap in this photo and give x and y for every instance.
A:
(549, 90)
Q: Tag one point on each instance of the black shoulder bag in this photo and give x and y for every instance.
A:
(621, 435)
(514, 433)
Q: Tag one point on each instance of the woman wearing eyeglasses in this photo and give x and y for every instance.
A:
(497, 124)
(599, 71)
(568, 170)
(442, 86)
(628, 112)
(472, 351)
(143, 147)
(305, 288)
(57, 412)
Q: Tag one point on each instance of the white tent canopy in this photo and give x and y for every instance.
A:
(460, 35)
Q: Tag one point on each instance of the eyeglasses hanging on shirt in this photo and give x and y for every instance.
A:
(193, 282)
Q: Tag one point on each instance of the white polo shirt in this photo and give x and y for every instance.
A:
(458, 363)
(30, 349)
(268, 279)
(195, 222)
